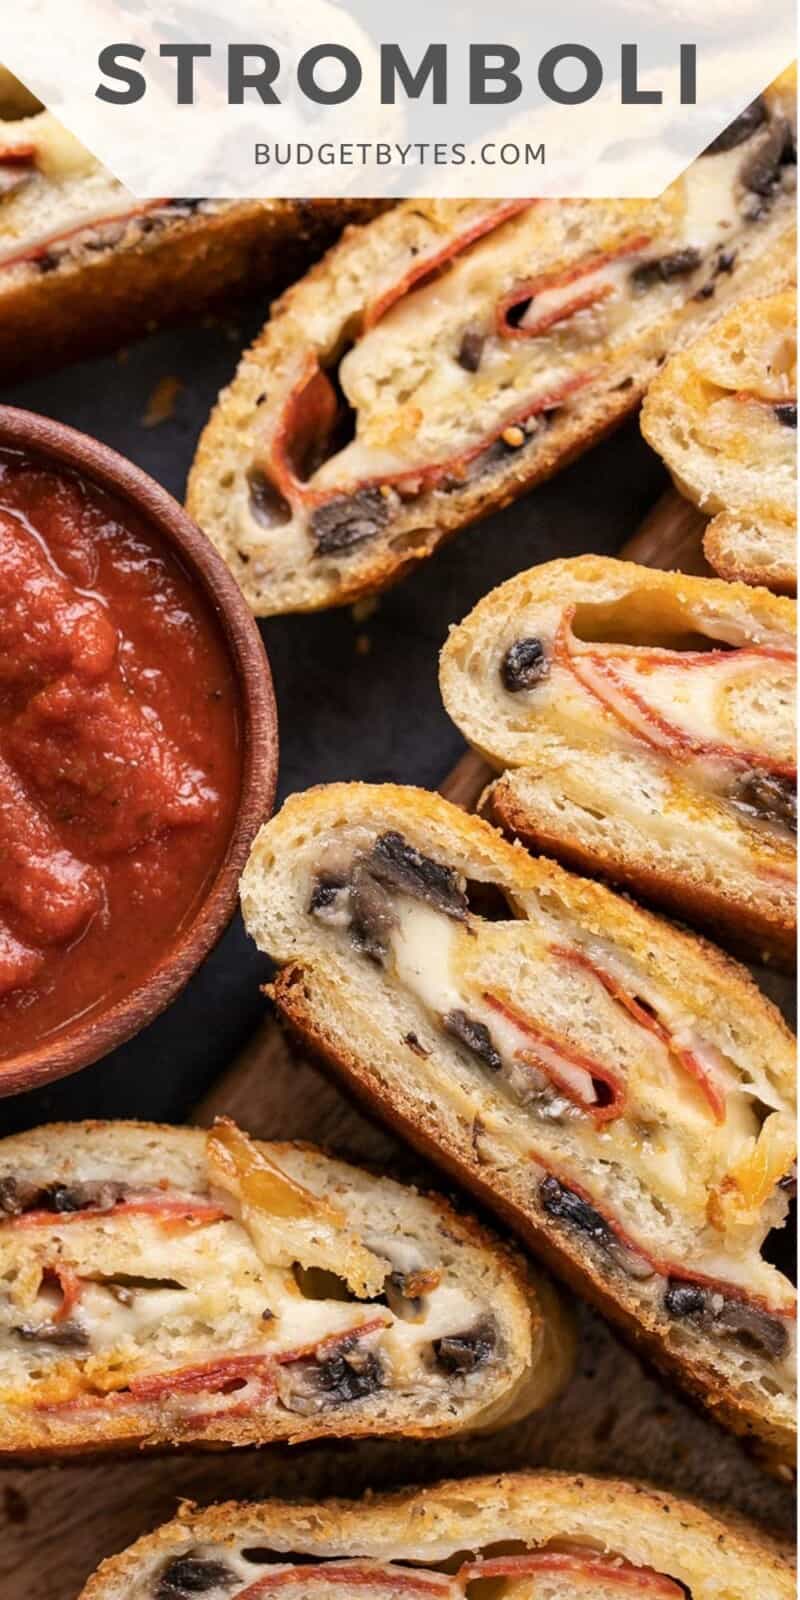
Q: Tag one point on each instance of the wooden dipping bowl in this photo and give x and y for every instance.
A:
(89, 1037)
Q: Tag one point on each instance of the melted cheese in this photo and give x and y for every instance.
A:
(732, 700)
(450, 1310)
(154, 1294)
(738, 699)
(610, 279)
(663, 805)
(403, 377)
(710, 192)
(422, 948)
(665, 1135)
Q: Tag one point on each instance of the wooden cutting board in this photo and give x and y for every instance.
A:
(615, 1416)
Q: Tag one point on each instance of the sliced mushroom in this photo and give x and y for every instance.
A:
(774, 799)
(326, 896)
(192, 1574)
(101, 1196)
(786, 413)
(563, 1203)
(372, 914)
(677, 265)
(760, 169)
(18, 1196)
(349, 520)
(402, 867)
(470, 351)
(475, 1035)
(268, 507)
(462, 1353)
(751, 1326)
(348, 1374)
(748, 1324)
(685, 1299)
(64, 1335)
(523, 665)
(567, 1206)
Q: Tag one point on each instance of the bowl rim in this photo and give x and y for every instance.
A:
(104, 1030)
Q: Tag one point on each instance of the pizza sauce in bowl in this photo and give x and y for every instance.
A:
(130, 698)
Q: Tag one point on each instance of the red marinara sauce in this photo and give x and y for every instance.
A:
(120, 750)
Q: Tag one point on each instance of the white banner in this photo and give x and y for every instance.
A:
(434, 97)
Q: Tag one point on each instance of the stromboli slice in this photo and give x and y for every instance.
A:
(161, 1285)
(545, 1536)
(447, 356)
(619, 1091)
(645, 722)
(723, 414)
(85, 265)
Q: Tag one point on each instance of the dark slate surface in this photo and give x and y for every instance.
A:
(357, 699)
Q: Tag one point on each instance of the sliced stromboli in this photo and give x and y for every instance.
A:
(618, 1090)
(646, 724)
(161, 1285)
(84, 265)
(449, 355)
(723, 414)
(527, 1536)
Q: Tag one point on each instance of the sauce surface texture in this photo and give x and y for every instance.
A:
(120, 759)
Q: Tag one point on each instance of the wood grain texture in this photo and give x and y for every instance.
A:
(671, 536)
(614, 1417)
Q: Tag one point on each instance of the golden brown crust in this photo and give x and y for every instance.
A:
(559, 790)
(539, 1321)
(276, 561)
(103, 299)
(735, 463)
(307, 994)
(443, 515)
(636, 927)
(561, 1256)
(745, 929)
(782, 580)
(642, 1523)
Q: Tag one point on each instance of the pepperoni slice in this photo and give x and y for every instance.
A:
(598, 672)
(587, 1082)
(427, 267)
(86, 225)
(311, 400)
(166, 1210)
(12, 155)
(309, 414)
(585, 1569)
(691, 1062)
(671, 1269)
(329, 1344)
(211, 1377)
(71, 1287)
(524, 295)
(223, 1379)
